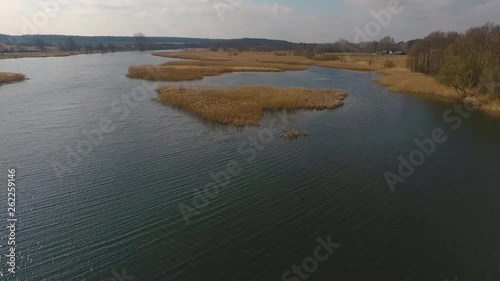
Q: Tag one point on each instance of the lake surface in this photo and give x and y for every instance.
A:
(116, 206)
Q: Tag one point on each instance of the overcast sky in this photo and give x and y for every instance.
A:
(294, 20)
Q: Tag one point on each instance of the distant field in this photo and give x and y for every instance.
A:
(6, 77)
(345, 61)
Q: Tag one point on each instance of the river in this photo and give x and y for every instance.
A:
(90, 205)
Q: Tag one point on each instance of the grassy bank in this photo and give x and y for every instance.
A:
(244, 106)
(18, 55)
(6, 77)
(405, 81)
(359, 62)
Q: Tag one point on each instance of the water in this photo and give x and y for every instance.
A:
(117, 207)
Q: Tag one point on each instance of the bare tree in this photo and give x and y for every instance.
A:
(89, 49)
(40, 44)
(427, 55)
(386, 43)
(69, 44)
(140, 41)
(101, 48)
(111, 48)
(471, 63)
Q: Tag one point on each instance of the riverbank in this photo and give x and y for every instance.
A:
(394, 74)
(244, 106)
(18, 55)
(404, 80)
(7, 77)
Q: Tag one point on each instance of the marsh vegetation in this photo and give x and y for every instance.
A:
(7, 77)
(445, 65)
(468, 63)
(245, 106)
(202, 63)
(198, 64)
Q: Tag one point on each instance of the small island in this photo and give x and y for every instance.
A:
(7, 77)
(293, 134)
(245, 106)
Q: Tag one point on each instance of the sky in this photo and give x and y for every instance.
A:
(293, 20)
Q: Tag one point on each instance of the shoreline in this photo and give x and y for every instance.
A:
(22, 55)
(50, 54)
(407, 82)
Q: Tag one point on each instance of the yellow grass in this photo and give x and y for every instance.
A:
(491, 106)
(244, 106)
(487, 104)
(361, 62)
(6, 77)
(405, 81)
(212, 64)
(188, 72)
(201, 63)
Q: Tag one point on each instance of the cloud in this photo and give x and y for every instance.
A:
(300, 21)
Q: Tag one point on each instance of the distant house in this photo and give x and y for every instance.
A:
(390, 52)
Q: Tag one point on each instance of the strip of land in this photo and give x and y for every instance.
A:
(207, 63)
(245, 106)
(201, 63)
(18, 55)
(197, 64)
(7, 77)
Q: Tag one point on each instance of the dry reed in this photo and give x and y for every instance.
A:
(201, 63)
(6, 77)
(405, 81)
(244, 106)
(293, 134)
(189, 72)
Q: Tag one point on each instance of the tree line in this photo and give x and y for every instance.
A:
(469, 62)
